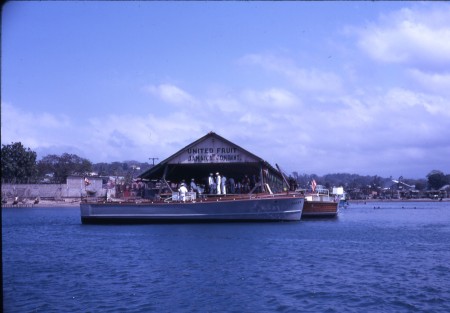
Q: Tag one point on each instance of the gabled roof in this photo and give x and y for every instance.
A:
(209, 154)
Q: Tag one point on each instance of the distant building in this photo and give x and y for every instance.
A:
(78, 186)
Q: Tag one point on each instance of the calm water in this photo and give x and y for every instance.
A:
(376, 257)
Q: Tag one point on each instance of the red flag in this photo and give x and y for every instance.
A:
(313, 185)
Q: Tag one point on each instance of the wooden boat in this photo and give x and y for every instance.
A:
(320, 208)
(319, 203)
(216, 209)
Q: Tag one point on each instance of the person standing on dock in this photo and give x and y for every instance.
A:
(246, 184)
(211, 184)
(224, 186)
(232, 184)
(195, 188)
(218, 183)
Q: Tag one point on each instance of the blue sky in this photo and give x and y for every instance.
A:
(317, 87)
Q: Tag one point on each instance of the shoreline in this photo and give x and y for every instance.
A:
(45, 204)
(400, 200)
(76, 203)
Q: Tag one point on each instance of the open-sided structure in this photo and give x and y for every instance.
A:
(211, 154)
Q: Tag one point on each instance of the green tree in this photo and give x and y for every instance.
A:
(18, 163)
(62, 166)
(421, 184)
(436, 179)
(120, 168)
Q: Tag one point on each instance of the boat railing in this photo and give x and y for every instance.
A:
(322, 191)
(176, 196)
(192, 197)
(320, 194)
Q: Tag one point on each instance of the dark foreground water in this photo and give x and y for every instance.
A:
(376, 257)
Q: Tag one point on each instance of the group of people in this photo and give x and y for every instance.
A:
(193, 187)
(221, 185)
(217, 185)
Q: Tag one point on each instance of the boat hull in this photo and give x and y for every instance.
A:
(320, 209)
(286, 208)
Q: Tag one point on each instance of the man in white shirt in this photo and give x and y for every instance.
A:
(218, 183)
(183, 190)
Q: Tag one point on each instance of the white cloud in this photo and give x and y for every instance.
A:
(25, 126)
(417, 36)
(111, 137)
(274, 98)
(253, 119)
(224, 104)
(434, 82)
(312, 79)
(171, 94)
(406, 99)
(129, 136)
